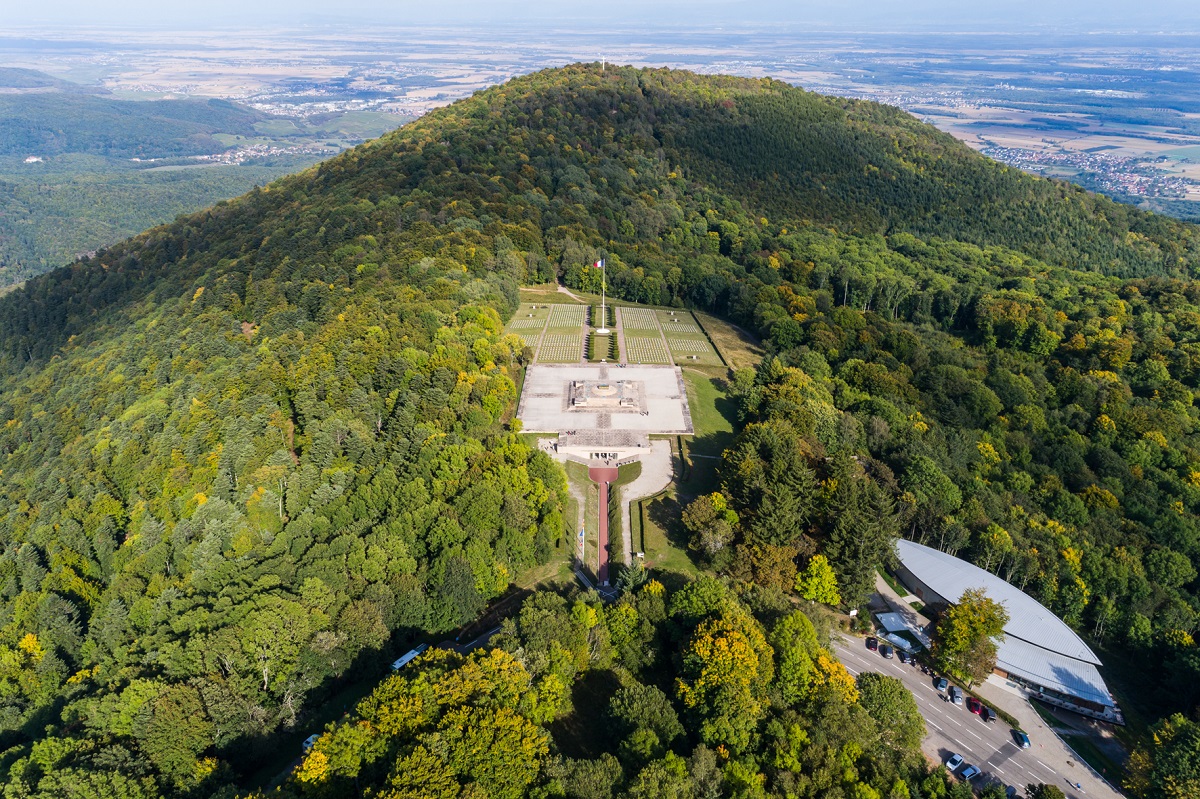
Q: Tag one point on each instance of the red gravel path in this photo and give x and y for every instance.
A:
(603, 475)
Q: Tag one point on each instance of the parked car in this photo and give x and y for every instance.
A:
(969, 773)
(1021, 738)
(311, 741)
(940, 683)
(903, 656)
(872, 644)
(956, 695)
(974, 705)
(887, 651)
(953, 762)
(988, 714)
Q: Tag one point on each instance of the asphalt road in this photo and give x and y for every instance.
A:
(952, 729)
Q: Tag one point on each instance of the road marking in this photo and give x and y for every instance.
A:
(930, 707)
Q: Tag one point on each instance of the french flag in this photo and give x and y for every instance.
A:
(599, 264)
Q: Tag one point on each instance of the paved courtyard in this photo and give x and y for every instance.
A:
(660, 406)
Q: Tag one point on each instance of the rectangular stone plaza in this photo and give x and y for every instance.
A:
(576, 398)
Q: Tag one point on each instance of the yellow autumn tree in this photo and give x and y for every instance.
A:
(721, 669)
(829, 677)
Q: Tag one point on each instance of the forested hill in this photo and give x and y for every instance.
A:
(51, 123)
(245, 456)
(33, 80)
(766, 147)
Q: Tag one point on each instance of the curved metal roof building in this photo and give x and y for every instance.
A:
(1038, 647)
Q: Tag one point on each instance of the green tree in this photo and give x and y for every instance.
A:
(662, 779)
(818, 582)
(796, 647)
(863, 525)
(711, 523)
(721, 680)
(892, 705)
(933, 490)
(1169, 766)
(965, 641)
(647, 719)
(178, 731)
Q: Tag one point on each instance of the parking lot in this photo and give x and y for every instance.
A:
(952, 729)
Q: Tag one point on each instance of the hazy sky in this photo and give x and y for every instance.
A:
(1001, 15)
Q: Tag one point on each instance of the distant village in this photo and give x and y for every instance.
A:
(251, 152)
(1111, 174)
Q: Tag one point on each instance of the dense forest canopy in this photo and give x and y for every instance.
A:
(699, 697)
(244, 455)
(50, 213)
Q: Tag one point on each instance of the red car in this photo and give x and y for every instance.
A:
(872, 644)
(974, 705)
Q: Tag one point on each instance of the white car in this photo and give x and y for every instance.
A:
(953, 762)
(311, 740)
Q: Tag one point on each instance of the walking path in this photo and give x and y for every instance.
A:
(583, 351)
(899, 604)
(620, 336)
(567, 291)
(657, 472)
(602, 476)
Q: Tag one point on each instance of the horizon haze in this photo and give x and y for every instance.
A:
(1162, 16)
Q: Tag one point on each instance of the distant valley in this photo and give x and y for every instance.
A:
(81, 169)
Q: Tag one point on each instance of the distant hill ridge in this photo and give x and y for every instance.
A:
(769, 148)
(19, 78)
(53, 123)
